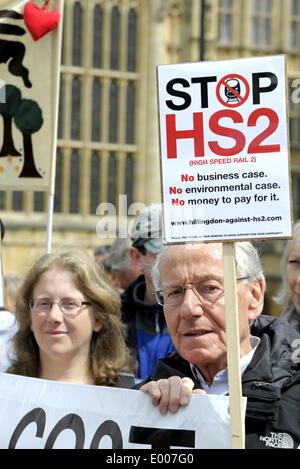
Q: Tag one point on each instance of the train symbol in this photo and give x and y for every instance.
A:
(234, 84)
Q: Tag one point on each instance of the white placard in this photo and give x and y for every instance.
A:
(37, 413)
(29, 76)
(224, 150)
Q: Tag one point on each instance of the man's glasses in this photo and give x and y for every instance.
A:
(69, 306)
(208, 292)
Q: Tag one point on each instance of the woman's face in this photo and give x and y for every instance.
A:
(59, 335)
(293, 274)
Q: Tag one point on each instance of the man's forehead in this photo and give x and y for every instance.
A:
(192, 261)
(187, 251)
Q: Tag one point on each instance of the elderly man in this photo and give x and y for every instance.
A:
(189, 284)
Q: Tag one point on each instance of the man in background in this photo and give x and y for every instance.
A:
(147, 333)
(119, 265)
(100, 253)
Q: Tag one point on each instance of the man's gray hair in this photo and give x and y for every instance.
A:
(248, 263)
(118, 258)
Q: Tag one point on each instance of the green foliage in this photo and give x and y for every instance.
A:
(28, 117)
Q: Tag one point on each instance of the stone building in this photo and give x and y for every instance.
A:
(108, 146)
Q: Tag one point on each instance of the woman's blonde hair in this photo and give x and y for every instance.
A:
(108, 353)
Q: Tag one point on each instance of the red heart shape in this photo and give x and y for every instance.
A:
(39, 22)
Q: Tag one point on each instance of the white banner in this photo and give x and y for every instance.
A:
(224, 150)
(36, 413)
(29, 84)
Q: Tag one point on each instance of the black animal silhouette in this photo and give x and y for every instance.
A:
(13, 52)
(7, 110)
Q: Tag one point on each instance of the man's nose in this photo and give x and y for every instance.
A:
(191, 305)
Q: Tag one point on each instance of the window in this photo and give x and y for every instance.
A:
(77, 34)
(112, 179)
(225, 21)
(114, 39)
(296, 194)
(2, 199)
(261, 22)
(294, 112)
(96, 108)
(131, 41)
(74, 182)
(129, 174)
(17, 201)
(95, 183)
(294, 39)
(63, 44)
(113, 111)
(114, 88)
(130, 113)
(60, 109)
(76, 103)
(38, 202)
(97, 37)
(58, 183)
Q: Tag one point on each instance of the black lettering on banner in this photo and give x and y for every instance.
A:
(111, 429)
(257, 90)
(204, 91)
(72, 422)
(180, 94)
(37, 415)
(162, 438)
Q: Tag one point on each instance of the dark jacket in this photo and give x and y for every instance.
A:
(271, 384)
(147, 334)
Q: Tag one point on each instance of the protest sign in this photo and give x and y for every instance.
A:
(37, 413)
(224, 150)
(29, 84)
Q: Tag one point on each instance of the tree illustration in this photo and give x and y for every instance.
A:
(7, 110)
(29, 119)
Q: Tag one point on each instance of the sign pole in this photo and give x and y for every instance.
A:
(2, 230)
(49, 222)
(233, 349)
(57, 61)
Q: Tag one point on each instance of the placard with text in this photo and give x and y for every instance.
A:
(224, 150)
(41, 414)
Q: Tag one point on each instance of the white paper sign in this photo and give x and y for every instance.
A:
(29, 75)
(224, 150)
(36, 413)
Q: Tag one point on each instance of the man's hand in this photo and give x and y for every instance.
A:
(169, 394)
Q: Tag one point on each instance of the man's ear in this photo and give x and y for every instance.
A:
(256, 304)
(136, 255)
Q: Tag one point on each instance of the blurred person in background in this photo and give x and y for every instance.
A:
(147, 334)
(12, 284)
(100, 253)
(8, 324)
(119, 266)
(8, 328)
(289, 293)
